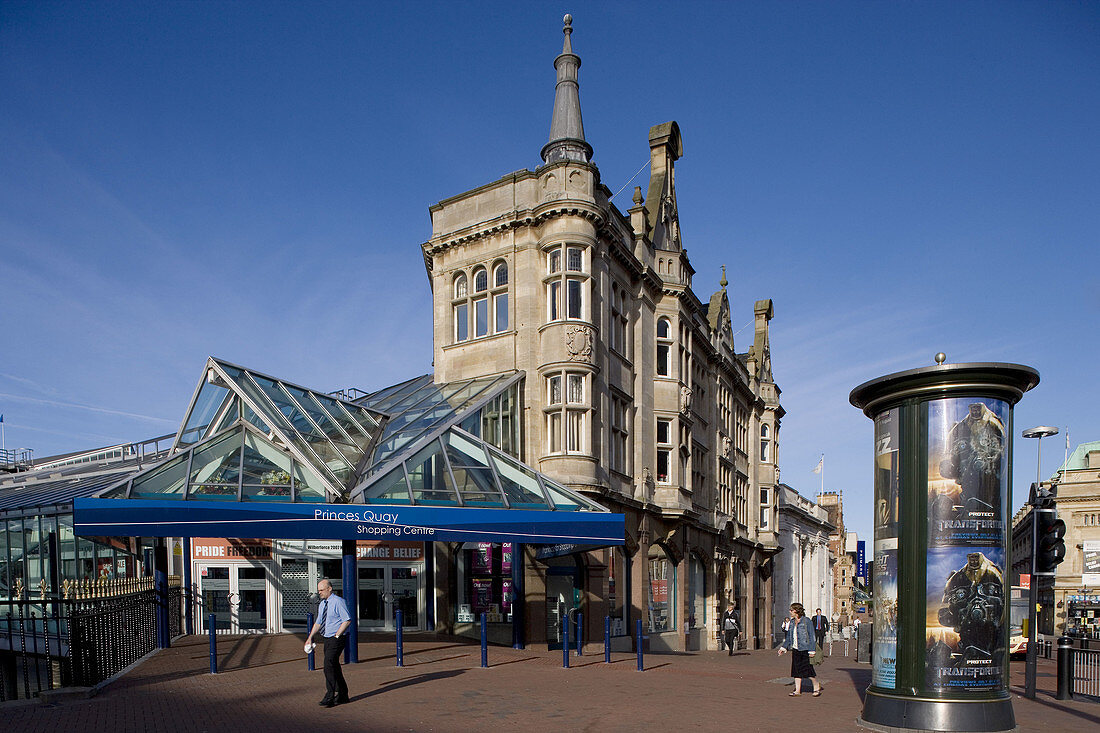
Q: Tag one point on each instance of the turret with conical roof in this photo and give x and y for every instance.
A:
(566, 128)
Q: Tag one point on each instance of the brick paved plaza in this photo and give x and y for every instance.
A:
(264, 685)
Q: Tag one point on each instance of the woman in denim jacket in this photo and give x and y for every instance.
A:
(801, 642)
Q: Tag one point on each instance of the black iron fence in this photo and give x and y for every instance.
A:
(80, 640)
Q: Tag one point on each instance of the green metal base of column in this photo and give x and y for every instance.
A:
(903, 714)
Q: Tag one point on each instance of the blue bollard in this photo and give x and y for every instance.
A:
(565, 644)
(580, 632)
(400, 638)
(310, 665)
(641, 667)
(607, 639)
(210, 623)
(484, 643)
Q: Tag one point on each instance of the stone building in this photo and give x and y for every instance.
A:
(844, 570)
(633, 392)
(1072, 606)
(804, 568)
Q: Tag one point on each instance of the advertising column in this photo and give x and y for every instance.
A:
(942, 478)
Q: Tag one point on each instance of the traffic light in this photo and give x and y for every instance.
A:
(1050, 548)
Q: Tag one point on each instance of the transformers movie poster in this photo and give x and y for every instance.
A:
(967, 472)
(964, 623)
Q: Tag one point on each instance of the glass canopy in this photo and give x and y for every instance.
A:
(250, 437)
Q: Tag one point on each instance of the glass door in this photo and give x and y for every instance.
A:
(238, 597)
(382, 590)
(562, 600)
(215, 594)
(372, 607)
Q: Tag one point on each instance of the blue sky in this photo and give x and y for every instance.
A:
(251, 181)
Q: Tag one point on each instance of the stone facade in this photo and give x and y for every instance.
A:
(634, 393)
(804, 569)
(845, 568)
(1076, 486)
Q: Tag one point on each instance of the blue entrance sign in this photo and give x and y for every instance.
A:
(154, 518)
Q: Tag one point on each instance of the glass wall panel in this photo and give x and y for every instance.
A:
(66, 544)
(51, 561)
(520, 484)
(15, 548)
(216, 467)
(209, 401)
(266, 470)
(166, 482)
(472, 474)
(390, 489)
(307, 487)
(428, 475)
(661, 580)
(5, 562)
(85, 559)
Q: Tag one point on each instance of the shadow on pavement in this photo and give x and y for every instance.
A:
(860, 679)
(409, 682)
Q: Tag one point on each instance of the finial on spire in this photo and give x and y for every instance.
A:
(566, 129)
(723, 282)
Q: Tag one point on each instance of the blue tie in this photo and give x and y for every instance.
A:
(324, 612)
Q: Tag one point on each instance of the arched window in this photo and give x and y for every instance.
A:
(461, 309)
(664, 347)
(765, 444)
(500, 297)
(479, 311)
(567, 288)
(662, 582)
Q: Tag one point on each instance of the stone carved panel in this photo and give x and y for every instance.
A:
(578, 343)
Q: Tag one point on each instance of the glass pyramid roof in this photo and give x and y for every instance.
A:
(250, 437)
(414, 408)
(333, 437)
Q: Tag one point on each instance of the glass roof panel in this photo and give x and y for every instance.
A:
(562, 497)
(472, 473)
(208, 403)
(266, 470)
(387, 396)
(429, 478)
(217, 464)
(306, 486)
(391, 488)
(163, 482)
(519, 482)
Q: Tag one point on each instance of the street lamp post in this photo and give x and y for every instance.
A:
(1040, 432)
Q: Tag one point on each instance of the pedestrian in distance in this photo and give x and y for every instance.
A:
(801, 643)
(731, 629)
(332, 624)
(821, 627)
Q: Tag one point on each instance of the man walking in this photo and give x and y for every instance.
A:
(730, 627)
(821, 625)
(333, 620)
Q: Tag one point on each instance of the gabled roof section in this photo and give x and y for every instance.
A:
(420, 406)
(456, 468)
(333, 437)
(239, 463)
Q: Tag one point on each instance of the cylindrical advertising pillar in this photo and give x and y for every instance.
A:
(942, 517)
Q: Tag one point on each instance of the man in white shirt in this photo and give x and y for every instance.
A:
(332, 621)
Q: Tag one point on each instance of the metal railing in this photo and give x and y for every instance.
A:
(81, 637)
(1086, 672)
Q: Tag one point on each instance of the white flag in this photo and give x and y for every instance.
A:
(820, 465)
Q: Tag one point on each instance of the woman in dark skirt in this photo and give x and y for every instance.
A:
(801, 642)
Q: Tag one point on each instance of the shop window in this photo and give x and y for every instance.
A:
(617, 589)
(697, 590)
(662, 591)
(485, 582)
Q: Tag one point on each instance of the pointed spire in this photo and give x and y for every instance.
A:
(566, 129)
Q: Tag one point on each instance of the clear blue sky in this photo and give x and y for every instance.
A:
(251, 180)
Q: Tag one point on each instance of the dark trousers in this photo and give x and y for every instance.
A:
(335, 686)
(820, 638)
